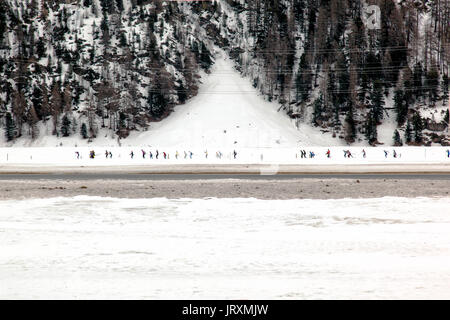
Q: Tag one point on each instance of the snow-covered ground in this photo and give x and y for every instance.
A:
(92, 247)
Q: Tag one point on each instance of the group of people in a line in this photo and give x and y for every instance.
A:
(187, 154)
(219, 154)
(348, 154)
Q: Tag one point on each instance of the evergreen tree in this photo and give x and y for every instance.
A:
(400, 106)
(377, 101)
(371, 128)
(205, 57)
(408, 132)
(432, 83)
(397, 140)
(418, 80)
(417, 127)
(83, 131)
(317, 112)
(65, 126)
(303, 80)
(10, 127)
(351, 126)
(122, 120)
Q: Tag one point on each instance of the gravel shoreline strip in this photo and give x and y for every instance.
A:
(310, 188)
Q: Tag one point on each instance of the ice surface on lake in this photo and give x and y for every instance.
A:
(92, 247)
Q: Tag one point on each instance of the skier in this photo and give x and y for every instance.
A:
(143, 153)
(157, 154)
(110, 155)
(395, 154)
(349, 154)
(132, 154)
(176, 154)
(92, 154)
(364, 153)
(150, 154)
(165, 155)
(190, 154)
(345, 153)
(234, 153)
(311, 154)
(78, 154)
(106, 154)
(185, 154)
(328, 153)
(386, 153)
(448, 153)
(206, 154)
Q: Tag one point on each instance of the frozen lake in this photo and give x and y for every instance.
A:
(96, 248)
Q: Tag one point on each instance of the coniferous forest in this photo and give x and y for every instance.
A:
(82, 65)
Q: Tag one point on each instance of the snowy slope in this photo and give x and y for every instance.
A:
(229, 112)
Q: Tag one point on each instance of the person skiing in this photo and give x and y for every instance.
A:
(190, 154)
(448, 153)
(78, 154)
(234, 154)
(150, 154)
(92, 154)
(364, 153)
(165, 155)
(395, 154)
(143, 153)
(311, 154)
(328, 153)
(110, 155)
(386, 153)
(176, 154)
(185, 154)
(157, 154)
(349, 154)
(132, 154)
(206, 154)
(106, 154)
(345, 153)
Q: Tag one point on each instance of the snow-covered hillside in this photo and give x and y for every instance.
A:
(104, 69)
(229, 112)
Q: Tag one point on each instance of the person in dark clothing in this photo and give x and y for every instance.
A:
(132, 154)
(150, 154)
(106, 154)
(157, 154)
(364, 153)
(165, 155)
(110, 155)
(234, 154)
(143, 153)
(78, 154)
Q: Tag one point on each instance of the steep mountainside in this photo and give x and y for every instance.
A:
(74, 67)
